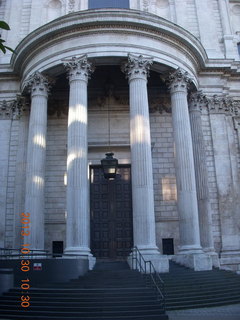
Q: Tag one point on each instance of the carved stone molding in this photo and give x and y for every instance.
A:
(145, 5)
(58, 107)
(71, 6)
(197, 101)
(6, 110)
(160, 105)
(37, 83)
(13, 109)
(231, 106)
(236, 121)
(78, 68)
(179, 80)
(137, 67)
(20, 105)
(215, 104)
(225, 105)
(103, 100)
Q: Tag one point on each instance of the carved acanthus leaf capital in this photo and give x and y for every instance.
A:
(197, 101)
(37, 83)
(19, 106)
(78, 68)
(12, 109)
(179, 80)
(137, 67)
(5, 110)
(225, 105)
(230, 106)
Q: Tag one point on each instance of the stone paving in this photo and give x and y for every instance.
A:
(230, 312)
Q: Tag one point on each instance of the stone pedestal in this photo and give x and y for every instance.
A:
(78, 220)
(190, 249)
(137, 70)
(197, 101)
(36, 153)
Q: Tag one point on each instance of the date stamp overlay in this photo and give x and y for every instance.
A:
(25, 263)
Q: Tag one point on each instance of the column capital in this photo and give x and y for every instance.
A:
(223, 105)
(13, 109)
(216, 104)
(38, 84)
(78, 68)
(137, 67)
(179, 80)
(197, 101)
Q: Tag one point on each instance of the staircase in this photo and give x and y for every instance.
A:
(187, 289)
(113, 291)
(110, 291)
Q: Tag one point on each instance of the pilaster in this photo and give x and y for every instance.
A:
(222, 112)
(196, 103)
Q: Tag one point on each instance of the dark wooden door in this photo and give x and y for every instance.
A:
(111, 214)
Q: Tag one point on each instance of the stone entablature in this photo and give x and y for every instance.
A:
(56, 40)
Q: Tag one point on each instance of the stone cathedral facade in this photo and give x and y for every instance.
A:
(157, 82)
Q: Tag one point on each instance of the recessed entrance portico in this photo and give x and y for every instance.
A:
(136, 67)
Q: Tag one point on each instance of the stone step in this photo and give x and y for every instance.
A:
(82, 315)
(151, 307)
(99, 317)
(89, 303)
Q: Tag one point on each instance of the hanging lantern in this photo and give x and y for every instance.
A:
(109, 166)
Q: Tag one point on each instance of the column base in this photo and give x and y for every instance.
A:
(213, 255)
(80, 253)
(195, 261)
(159, 261)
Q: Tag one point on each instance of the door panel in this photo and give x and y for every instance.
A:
(111, 214)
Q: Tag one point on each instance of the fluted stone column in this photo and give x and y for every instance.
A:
(137, 70)
(197, 101)
(190, 250)
(78, 220)
(36, 153)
